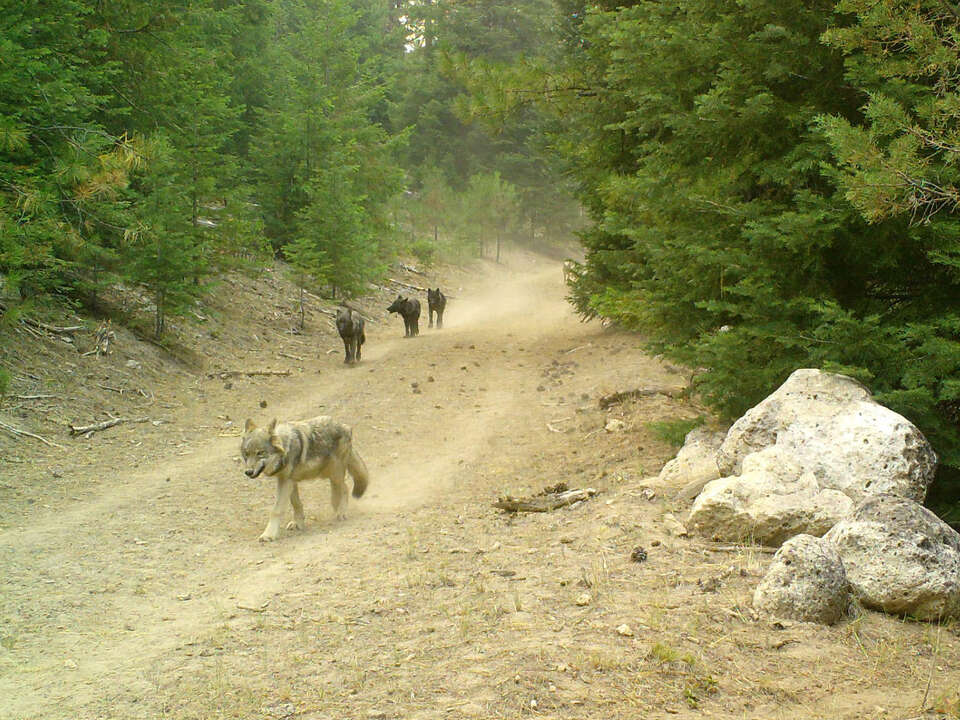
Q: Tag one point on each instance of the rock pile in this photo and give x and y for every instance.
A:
(837, 480)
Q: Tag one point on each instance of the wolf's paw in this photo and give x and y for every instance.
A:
(266, 537)
(295, 525)
(341, 516)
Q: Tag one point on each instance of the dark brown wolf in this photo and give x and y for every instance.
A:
(436, 302)
(409, 310)
(296, 451)
(350, 327)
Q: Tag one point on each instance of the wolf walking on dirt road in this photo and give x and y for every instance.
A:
(296, 451)
(350, 326)
(436, 302)
(409, 309)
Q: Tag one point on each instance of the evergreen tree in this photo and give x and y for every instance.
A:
(716, 206)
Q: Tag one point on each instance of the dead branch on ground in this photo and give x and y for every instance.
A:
(23, 433)
(544, 503)
(618, 397)
(407, 285)
(88, 430)
(411, 269)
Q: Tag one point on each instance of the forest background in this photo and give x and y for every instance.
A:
(757, 185)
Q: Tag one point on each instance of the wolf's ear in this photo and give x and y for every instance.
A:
(272, 426)
(249, 425)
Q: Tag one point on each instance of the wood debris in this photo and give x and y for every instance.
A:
(545, 502)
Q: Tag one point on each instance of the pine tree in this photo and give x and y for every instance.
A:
(717, 205)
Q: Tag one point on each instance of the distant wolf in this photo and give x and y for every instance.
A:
(409, 309)
(436, 302)
(296, 451)
(569, 271)
(350, 327)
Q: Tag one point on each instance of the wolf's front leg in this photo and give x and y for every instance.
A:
(284, 491)
(298, 522)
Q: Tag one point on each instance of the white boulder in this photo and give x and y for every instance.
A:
(695, 465)
(900, 558)
(806, 581)
(771, 501)
(831, 426)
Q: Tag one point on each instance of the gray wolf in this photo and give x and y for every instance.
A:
(350, 327)
(295, 451)
(436, 302)
(409, 309)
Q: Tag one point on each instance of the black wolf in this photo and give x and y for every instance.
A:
(436, 302)
(409, 309)
(350, 327)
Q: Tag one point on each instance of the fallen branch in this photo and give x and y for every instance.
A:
(288, 355)
(23, 433)
(51, 328)
(618, 397)
(223, 374)
(741, 548)
(545, 503)
(32, 397)
(96, 427)
(407, 285)
(412, 269)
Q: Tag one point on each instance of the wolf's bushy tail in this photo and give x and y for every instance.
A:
(358, 470)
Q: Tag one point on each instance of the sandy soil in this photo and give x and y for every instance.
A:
(133, 585)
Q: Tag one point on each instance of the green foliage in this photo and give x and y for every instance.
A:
(453, 52)
(747, 185)
(4, 381)
(164, 252)
(424, 251)
(674, 431)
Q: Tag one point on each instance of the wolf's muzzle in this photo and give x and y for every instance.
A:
(255, 471)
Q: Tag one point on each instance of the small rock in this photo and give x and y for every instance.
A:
(70, 664)
(638, 555)
(624, 630)
(430, 378)
(583, 599)
(615, 425)
(263, 403)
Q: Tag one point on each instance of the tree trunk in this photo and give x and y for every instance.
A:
(301, 308)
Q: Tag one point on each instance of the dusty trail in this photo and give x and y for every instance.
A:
(105, 588)
(147, 595)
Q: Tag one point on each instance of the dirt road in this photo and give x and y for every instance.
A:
(149, 596)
